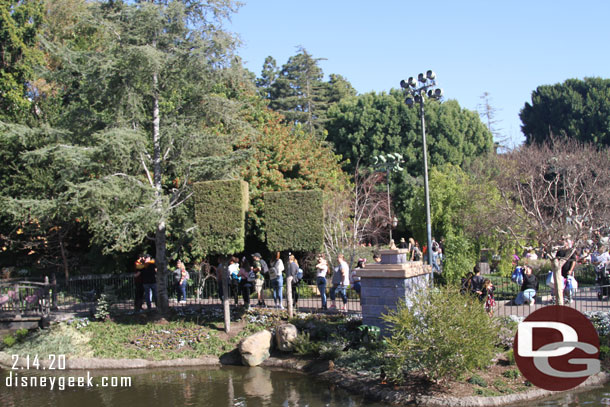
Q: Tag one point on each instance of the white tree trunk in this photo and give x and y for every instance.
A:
(557, 264)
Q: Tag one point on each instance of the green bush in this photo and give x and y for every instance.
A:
(9, 340)
(294, 220)
(511, 374)
(304, 346)
(477, 380)
(220, 213)
(460, 256)
(442, 333)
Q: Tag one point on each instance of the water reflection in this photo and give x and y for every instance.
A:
(229, 386)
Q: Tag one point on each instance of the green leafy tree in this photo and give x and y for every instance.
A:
(368, 125)
(150, 110)
(578, 109)
(20, 22)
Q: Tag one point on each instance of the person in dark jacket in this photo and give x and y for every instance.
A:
(476, 283)
(528, 288)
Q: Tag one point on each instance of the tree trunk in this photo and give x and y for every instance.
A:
(557, 264)
(160, 245)
(226, 309)
(64, 258)
(289, 281)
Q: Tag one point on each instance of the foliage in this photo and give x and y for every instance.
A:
(477, 380)
(103, 305)
(304, 346)
(281, 159)
(20, 23)
(298, 92)
(294, 220)
(551, 191)
(220, 213)
(440, 325)
(459, 256)
(575, 109)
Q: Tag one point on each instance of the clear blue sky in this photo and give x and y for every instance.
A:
(504, 47)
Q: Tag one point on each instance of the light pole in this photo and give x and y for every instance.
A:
(388, 163)
(417, 90)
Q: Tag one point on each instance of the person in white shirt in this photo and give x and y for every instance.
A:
(341, 282)
(321, 271)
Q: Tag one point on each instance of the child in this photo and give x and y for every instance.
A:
(488, 291)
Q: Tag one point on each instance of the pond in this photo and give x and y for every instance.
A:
(229, 386)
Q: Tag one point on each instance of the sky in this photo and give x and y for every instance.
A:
(506, 48)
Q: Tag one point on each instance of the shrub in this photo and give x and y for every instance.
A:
(477, 380)
(9, 340)
(294, 220)
(220, 213)
(443, 333)
(304, 346)
(459, 256)
(511, 374)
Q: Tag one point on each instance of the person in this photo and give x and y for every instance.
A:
(411, 249)
(466, 286)
(277, 280)
(293, 271)
(181, 277)
(247, 277)
(476, 285)
(139, 285)
(528, 288)
(149, 280)
(235, 285)
(488, 292)
(353, 278)
(567, 272)
(417, 253)
(341, 282)
(321, 271)
(259, 282)
(403, 243)
(392, 245)
(377, 258)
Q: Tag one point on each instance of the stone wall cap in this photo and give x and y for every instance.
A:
(393, 251)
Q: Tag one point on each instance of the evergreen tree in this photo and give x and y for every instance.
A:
(577, 109)
(20, 22)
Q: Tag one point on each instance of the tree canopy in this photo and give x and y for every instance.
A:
(578, 109)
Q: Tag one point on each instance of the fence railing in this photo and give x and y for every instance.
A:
(81, 293)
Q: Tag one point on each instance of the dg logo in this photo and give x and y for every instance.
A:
(557, 348)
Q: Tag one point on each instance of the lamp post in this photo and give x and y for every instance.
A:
(388, 163)
(417, 90)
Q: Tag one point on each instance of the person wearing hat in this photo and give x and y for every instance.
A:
(403, 243)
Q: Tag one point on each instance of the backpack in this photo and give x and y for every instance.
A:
(264, 267)
(299, 275)
(273, 274)
(251, 276)
(517, 276)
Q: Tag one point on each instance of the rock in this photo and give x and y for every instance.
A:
(285, 335)
(254, 349)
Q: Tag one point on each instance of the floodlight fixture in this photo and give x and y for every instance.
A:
(430, 75)
(412, 82)
(409, 101)
(404, 84)
(421, 78)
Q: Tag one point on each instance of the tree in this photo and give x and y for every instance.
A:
(368, 125)
(488, 114)
(578, 109)
(552, 191)
(20, 22)
(355, 216)
(164, 81)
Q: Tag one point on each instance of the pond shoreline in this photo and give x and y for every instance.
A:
(324, 370)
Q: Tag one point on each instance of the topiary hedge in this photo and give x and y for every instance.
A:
(294, 220)
(220, 214)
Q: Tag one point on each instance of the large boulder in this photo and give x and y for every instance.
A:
(254, 349)
(285, 335)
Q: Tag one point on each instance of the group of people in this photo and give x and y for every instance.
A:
(145, 280)
(480, 287)
(245, 275)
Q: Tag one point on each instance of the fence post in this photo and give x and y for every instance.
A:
(226, 310)
(289, 295)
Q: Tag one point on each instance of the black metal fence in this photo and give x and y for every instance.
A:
(81, 293)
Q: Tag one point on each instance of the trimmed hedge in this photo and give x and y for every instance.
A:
(294, 220)
(220, 214)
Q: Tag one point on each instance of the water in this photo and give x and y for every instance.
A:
(229, 386)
